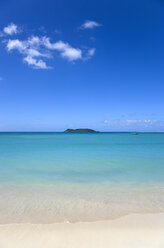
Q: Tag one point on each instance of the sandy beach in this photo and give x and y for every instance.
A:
(134, 230)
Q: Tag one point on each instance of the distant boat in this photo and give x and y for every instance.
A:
(135, 133)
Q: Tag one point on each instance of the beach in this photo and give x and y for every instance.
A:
(134, 230)
(81, 190)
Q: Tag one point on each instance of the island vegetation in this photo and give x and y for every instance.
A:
(80, 130)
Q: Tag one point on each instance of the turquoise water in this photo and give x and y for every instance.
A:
(116, 170)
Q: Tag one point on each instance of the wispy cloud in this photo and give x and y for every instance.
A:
(89, 25)
(38, 64)
(37, 49)
(30, 49)
(89, 54)
(134, 124)
(11, 29)
(1, 78)
(57, 31)
(129, 122)
(65, 49)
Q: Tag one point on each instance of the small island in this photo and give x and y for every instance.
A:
(80, 130)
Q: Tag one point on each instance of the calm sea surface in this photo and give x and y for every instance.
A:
(49, 177)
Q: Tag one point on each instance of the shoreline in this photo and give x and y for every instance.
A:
(133, 230)
(67, 203)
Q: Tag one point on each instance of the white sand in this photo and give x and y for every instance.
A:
(132, 231)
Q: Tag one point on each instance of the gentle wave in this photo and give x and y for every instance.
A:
(76, 203)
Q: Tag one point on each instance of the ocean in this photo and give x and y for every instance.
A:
(57, 177)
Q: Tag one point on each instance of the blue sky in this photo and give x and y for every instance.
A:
(69, 64)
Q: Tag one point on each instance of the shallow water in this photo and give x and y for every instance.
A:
(49, 177)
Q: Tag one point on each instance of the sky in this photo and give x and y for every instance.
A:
(81, 64)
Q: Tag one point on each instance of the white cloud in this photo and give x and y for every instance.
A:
(35, 48)
(134, 124)
(70, 53)
(150, 122)
(89, 25)
(91, 52)
(37, 64)
(35, 53)
(34, 41)
(11, 29)
(16, 44)
(42, 47)
(124, 122)
(65, 49)
(29, 48)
